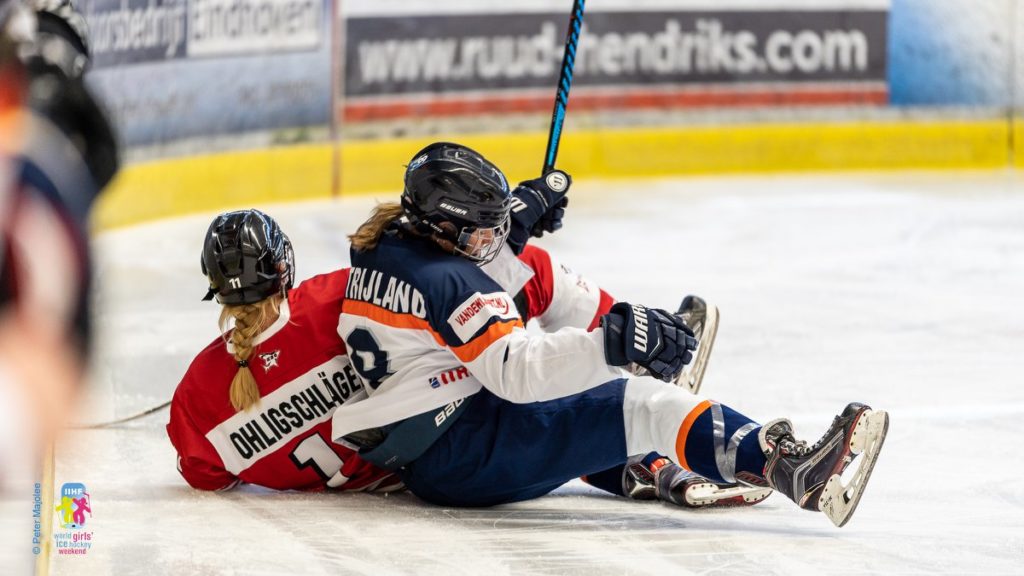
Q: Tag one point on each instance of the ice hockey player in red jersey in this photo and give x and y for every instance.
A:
(471, 410)
(255, 406)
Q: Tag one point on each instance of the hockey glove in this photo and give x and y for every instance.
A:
(649, 337)
(538, 206)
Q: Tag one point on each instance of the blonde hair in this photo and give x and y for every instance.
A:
(249, 321)
(367, 236)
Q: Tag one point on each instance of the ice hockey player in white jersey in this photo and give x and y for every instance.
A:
(471, 410)
(556, 297)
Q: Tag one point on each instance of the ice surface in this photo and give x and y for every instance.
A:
(905, 291)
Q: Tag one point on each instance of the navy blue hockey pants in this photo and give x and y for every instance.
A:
(499, 452)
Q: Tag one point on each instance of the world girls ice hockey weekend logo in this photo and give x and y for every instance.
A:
(74, 509)
(73, 506)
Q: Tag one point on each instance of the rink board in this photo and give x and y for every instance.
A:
(160, 189)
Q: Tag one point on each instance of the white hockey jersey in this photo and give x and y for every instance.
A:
(425, 329)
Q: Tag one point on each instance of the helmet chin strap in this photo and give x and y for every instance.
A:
(444, 237)
(443, 234)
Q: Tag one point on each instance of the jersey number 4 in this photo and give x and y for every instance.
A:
(370, 362)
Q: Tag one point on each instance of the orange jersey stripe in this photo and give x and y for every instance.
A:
(469, 352)
(389, 318)
(684, 431)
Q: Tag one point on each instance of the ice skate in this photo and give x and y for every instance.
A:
(667, 481)
(702, 318)
(811, 476)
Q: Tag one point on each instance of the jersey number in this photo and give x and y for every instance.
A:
(370, 362)
(313, 452)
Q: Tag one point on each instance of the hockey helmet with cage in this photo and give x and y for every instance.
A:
(246, 258)
(454, 193)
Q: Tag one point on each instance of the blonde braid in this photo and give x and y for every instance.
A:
(250, 321)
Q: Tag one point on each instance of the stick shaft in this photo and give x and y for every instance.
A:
(97, 425)
(572, 38)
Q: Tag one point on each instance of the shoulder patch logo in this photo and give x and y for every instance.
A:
(270, 359)
(477, 311)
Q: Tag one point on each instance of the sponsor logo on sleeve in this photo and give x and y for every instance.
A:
(478, 310)
(449, 376)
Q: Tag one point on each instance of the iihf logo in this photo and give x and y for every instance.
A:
(270, 359)
(74, 504)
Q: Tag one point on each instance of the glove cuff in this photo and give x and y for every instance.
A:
(614, 326)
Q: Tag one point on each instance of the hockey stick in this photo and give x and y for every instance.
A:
(572, 38)
(98, 425)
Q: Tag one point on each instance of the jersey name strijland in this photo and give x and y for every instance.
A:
(397, 296)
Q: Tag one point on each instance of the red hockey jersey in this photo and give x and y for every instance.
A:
(303, 373)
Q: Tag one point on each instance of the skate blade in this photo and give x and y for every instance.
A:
(693, 378)
(839, 501)
(711, 495)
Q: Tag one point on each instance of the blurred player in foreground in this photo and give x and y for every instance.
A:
(471, 410)
(255, 406)
(57, 151)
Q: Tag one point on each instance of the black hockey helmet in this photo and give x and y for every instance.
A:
(448, 183)
(243, 255)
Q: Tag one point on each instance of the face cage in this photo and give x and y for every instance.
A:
(484, 253)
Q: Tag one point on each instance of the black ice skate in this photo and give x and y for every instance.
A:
(810, 476)
(702, 318)
(667, 481)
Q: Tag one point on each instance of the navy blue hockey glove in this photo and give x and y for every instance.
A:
(650, 337)
(538, 206)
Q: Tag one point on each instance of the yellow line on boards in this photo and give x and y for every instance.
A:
(244, 179)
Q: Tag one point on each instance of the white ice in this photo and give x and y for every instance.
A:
(905, 291)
